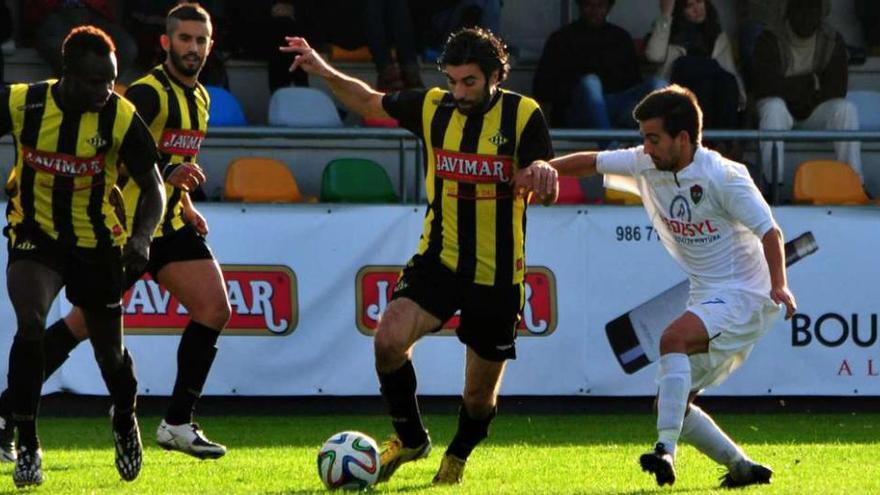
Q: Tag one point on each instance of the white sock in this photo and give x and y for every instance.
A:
(674, 382)
(700, 431)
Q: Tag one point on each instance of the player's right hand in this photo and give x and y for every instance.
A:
(307, 58)
(186, 176)
(782, 295)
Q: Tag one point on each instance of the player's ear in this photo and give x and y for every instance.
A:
(165, 41)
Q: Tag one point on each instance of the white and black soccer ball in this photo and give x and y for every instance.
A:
(349, 460)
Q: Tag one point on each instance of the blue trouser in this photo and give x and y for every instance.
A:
(590, 107)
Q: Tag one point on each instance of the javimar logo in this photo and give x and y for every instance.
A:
(375, 284)
(263, 299)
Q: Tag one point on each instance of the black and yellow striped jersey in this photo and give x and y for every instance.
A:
(66, 163)
(474, 224)
(177, 116)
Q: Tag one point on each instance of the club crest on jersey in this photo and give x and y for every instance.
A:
(97, 141)
(498, 139)
(696, 193)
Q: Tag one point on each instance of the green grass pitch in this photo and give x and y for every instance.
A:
(810, 453)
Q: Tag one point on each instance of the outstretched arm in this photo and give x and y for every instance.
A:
(355, 94)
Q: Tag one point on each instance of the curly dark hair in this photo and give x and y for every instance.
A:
(476, 46)
(82, 40)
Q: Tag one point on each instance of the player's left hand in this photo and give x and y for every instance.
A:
(135, 254)
(195, 218)
(781, 295)
(540, 178)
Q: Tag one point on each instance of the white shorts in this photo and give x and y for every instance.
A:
(735, 320)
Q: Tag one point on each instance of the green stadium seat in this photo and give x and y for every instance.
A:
(356, 180)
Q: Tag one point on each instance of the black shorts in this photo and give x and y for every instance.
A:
(489, 314)
(93, 277)
(184, 244)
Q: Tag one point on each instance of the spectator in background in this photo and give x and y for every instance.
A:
(696, 53)
(5, 34)
(437, 19)
(284, 22)
(754, 17)
(388, 22)
(800, 80)
(588, 75)
(868, 11)
(51, 20)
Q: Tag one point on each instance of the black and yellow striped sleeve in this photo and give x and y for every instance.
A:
(535, 143)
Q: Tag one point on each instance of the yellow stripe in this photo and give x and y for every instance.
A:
(82, 225)
(451, 141)
(429, 109)
(486, 210)
(524, 112)
(44, 182)
(17, 94)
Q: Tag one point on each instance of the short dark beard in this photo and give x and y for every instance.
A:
(177, 61)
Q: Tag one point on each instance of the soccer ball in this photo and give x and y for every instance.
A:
(349, 460)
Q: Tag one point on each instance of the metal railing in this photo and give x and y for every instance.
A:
(407, 141)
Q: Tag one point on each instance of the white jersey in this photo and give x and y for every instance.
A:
(710, 216)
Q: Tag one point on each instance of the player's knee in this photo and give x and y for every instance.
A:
(388, 345)
(76, 323)
(672, 342)
(214, 314)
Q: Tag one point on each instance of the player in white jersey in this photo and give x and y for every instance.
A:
(715, 223)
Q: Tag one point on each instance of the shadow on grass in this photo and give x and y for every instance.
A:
(509, 430)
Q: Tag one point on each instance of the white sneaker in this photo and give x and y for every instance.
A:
(189, 439)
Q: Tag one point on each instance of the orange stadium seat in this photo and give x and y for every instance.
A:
(261, 180)
(615, 197)
(360, 54)
(828, 182)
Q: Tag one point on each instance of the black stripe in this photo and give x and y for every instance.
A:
(173, 199)
(106, 120)
(439, 125)
(172, 109)
(467, 202)
(62, 191)
(504, 248)
(35, 107)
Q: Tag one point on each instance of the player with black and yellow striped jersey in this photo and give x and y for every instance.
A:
(175, 107)
(471, 254)
(71, 136)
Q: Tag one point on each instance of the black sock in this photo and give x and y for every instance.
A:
(399, 390)
(470, 433)
(57, 344)
(195, 355)
(122, 385)
(25, 383)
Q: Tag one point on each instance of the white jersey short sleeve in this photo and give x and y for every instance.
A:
(709, 215)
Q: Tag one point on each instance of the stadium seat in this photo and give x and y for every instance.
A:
(225, 109)
(360, 54)
(570, 192)
(868, 105)
(302, 107)
(261, 180)
(827, 182)
(615, 197)
(356, 180)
